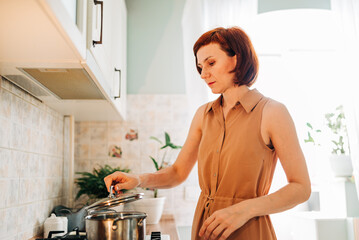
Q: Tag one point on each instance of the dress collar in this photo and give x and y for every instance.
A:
(248, 101)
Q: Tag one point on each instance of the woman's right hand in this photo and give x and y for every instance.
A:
(121, 180)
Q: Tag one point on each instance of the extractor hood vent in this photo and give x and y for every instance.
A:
(71, 83)
(27, 85)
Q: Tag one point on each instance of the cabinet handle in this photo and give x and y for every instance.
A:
(101, 4)
(119, 86)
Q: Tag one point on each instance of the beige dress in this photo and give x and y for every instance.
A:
(234, 163)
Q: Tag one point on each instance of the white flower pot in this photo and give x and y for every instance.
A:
(341, 165)
(153, 207)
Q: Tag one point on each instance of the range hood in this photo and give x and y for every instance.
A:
(53, 63)
(69, 84)
(69, 91)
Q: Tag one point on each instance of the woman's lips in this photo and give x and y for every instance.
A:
(210, 83)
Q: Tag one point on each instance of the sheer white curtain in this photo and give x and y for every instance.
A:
(192, 28)
(200, 16)
(347, 14)
(229, 13)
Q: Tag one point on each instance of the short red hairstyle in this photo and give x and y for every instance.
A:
(233, 41)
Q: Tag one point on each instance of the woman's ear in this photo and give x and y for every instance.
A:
(234, 59)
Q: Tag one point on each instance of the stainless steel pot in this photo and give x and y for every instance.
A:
(104, 225)
(116, 226)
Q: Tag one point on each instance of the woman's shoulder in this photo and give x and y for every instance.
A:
(198, 116)
(272, 103)
(205, 107)
(274, 109)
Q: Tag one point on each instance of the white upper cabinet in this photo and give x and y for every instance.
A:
(107, 21)
(119, 55)
(71, 18)
(99, 40)
(49, 46)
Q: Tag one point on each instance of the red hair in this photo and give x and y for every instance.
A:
(233, 41)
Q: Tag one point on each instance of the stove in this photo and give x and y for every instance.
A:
(78, 235)
(157, 236)
(162, 237)
(74, 235)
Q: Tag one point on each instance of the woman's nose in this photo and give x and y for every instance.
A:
(204, 74)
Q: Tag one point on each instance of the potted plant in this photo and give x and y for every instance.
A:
(339, 159)
(164, 162)
(340, 155)
(153, 204)
(92, 184)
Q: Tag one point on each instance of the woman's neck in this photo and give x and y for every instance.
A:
(232, 95)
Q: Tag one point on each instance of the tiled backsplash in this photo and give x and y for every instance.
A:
(31, 162)
(148, 115)
(34, 145)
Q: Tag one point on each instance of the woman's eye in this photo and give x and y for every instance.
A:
(211, 63)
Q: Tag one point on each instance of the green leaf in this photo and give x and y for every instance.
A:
(92, 184)
(340, 107)
(167, 137)
(164, 146)
(309, 125)
(167, 144)
(329, 115)
(174, 146)
(155, 163)
(156, 139)
(310, 138)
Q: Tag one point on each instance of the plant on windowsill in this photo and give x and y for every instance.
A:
(313, 135)
(153, 206)
(340, 159)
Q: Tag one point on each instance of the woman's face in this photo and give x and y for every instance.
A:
(216, 66)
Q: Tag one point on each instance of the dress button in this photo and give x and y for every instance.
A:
(214, 175)
(217, 150)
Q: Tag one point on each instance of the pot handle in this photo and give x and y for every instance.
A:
(114, 225)
(140, 223)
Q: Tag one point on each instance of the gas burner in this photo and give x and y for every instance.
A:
(157, 236)
(78, 235)
(75, 234)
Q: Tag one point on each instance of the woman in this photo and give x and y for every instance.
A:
(237, 140)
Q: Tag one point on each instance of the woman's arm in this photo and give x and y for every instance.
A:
(278, 127)
(170, 176)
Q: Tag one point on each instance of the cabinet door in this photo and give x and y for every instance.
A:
(100, 28)
(70, 15)
(119, 55)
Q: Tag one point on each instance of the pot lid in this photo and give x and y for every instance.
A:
(113, 201)
(116, 215)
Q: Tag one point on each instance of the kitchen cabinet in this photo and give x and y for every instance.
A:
(70, 16)
(60, 45)
(107, 33)
(120, 56)
(99, 41)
